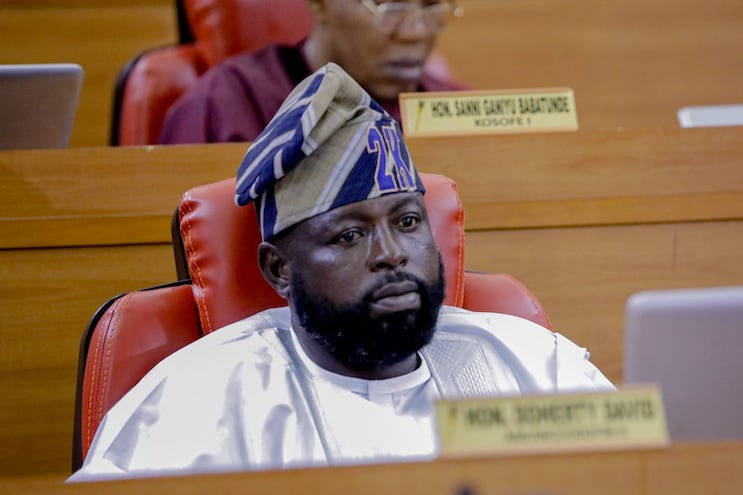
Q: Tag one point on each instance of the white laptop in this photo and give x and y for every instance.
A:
(38, 104)
(711, 116)
(690, 341)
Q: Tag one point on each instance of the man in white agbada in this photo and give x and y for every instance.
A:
(350, 370)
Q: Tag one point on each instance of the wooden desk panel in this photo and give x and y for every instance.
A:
(584, 275)
(47, 297)
(506, 182)
(102, 196)
(591, 178)
(683, 469)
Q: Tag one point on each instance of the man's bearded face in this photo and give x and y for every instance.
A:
(359, 340)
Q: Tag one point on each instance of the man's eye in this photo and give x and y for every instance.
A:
(409, 221)
(348, 237)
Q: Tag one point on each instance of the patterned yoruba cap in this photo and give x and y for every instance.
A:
(330, 144)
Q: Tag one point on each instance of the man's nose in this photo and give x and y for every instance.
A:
(387, 252)
(413, 26)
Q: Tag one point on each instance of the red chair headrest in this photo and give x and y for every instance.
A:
(226, 27)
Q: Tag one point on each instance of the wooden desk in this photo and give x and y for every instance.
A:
(584, 219)
(683, 469)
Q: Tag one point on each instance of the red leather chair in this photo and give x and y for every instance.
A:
(209, 32)
(216, 248)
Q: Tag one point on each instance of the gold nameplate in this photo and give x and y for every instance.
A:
(630, 418)
(488, 112)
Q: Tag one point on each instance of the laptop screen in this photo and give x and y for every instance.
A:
(690, 341)
(38, 103)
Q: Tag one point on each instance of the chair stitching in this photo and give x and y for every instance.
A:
(94, 379)
(110, 336)
(185, 211)
(110, 343)
(459, 301)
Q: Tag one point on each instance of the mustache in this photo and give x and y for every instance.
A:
(392, 278)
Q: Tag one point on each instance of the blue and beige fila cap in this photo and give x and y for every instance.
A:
(330, 144)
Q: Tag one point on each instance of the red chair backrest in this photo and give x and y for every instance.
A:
(126, 337)
(221, 28)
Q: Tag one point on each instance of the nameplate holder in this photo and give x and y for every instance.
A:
(488, 112)
(633, 418)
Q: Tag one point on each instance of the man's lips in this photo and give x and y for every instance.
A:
(405, 70)
(395, 297)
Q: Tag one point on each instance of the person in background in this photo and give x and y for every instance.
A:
(382, 45)
(348, 372)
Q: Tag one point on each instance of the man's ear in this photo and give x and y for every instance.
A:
(274, 267)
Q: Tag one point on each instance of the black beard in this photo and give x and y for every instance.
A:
(363, 343)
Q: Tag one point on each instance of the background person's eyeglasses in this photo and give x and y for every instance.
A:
(392, 14)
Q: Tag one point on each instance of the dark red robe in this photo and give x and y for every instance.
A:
(235, 100)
